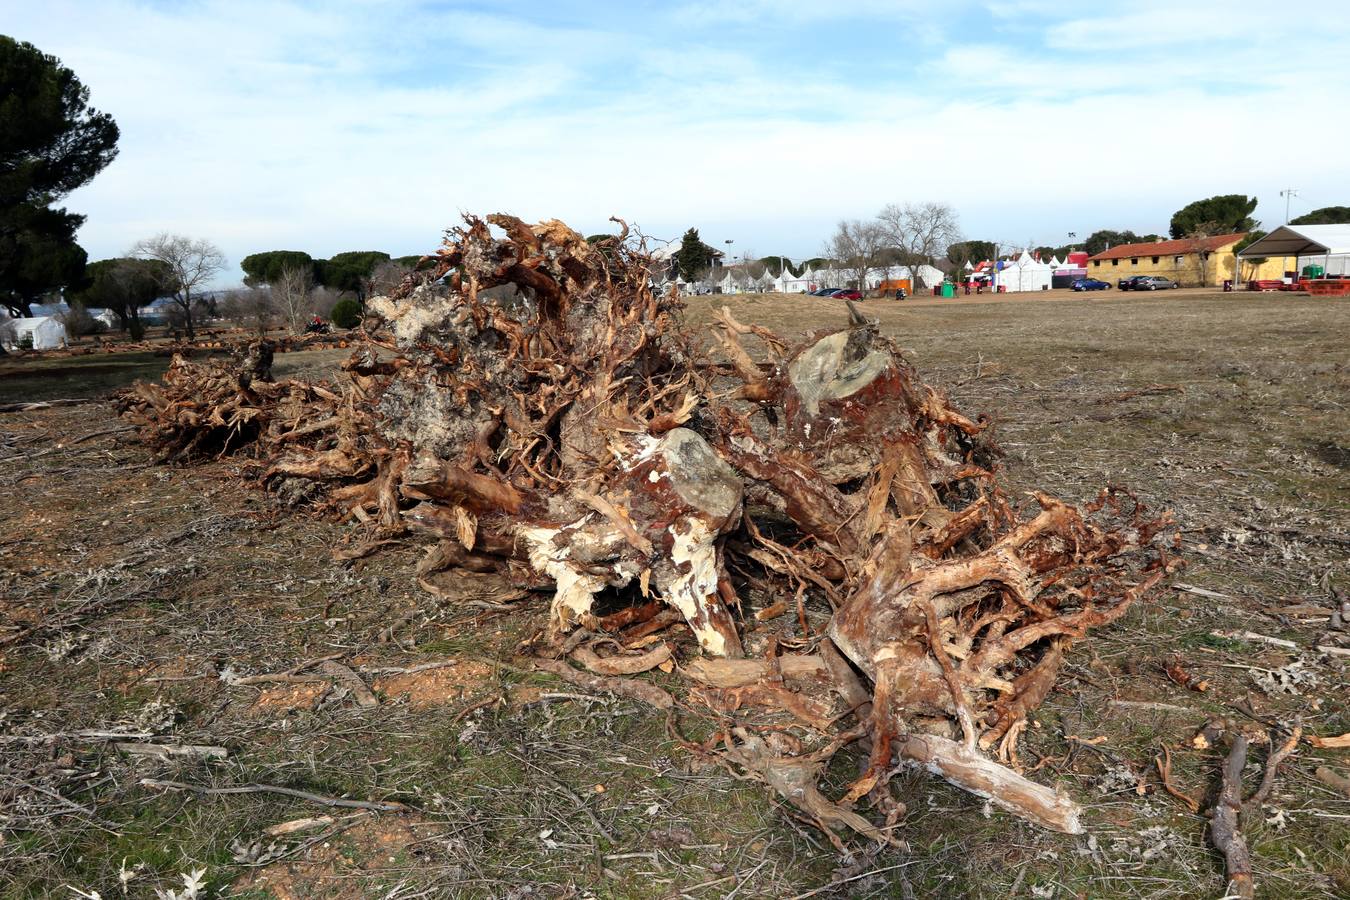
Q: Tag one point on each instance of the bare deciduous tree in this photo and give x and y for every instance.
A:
(856, 247)
(387, 276)
(192, 263)
(923, 230)
(251, 308)
(292, 296)
(322, 300)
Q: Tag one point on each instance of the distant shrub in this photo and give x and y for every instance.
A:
(346, 313)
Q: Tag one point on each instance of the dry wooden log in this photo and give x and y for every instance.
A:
(1225, 829)
(983, 777)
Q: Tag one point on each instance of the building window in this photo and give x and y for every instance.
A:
(1096, 264)
(1155, 260)
(1134, 261)
(1115, 262)
(1176, 260)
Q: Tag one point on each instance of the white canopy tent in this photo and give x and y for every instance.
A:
(1325, 245)
(44, 333)
(1025, 273)
(928, 275)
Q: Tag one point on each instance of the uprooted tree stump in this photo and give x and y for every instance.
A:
(528, 403)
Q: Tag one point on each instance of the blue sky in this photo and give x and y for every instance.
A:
(356, 124)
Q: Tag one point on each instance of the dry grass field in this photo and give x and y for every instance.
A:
(142, 600)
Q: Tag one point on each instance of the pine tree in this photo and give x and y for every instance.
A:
(694, 257)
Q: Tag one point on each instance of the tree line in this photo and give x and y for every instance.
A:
(916, 234)
(52, 142)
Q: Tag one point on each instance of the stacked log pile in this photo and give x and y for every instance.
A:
(533, 407)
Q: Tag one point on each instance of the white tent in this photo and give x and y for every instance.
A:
(1025, 273)
(106, 316)
(45, 333)
(1322, 245)
(787, 283)
(928, 275)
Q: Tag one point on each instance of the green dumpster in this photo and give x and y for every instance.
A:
(1312, 271)
(948, 289)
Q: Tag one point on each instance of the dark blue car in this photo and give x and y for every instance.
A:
(1090, 284)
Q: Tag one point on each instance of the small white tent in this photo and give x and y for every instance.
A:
(1025, 273)
(105, 316)
(39, 332)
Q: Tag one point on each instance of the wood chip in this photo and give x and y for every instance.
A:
(1333, 780)
(1340, 742)
(1258, 638)
(1201, 592)
(351, 681)
(166, 751)
(295, 825)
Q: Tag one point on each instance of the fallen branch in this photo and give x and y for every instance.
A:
(1277, 756)
(385, 806)
(623, 687)
(622, 665)
(1225, 830)
(1333, 780)
(33, 406)
(1164, 766)
(167, 751)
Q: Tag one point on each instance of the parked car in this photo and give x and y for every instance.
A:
(1154, 283)
(1131, 283)
(1090, 284)
(847, 294)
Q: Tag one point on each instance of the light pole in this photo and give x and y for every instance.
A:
(1288, 194)
(727, 259)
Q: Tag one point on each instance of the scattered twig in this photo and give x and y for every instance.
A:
(1164, 766)
(44, 404)
(379, 806)
(1259, 638)
(1277, 756)
(1151, 705)
(166, 751)
(1200, 592)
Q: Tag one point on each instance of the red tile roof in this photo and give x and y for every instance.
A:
(1170, 248)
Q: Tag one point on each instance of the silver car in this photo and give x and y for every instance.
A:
(1153, 283)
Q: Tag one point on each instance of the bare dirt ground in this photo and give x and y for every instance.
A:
(142, 600)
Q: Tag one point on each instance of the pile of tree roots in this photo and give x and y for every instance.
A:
(815, 535)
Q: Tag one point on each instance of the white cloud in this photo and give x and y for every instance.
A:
(329, 128)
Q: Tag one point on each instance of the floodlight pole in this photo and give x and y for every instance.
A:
(1287, 194)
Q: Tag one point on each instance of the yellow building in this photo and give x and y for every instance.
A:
(1193, 262)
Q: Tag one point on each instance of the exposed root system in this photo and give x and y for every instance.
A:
(531, 406)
